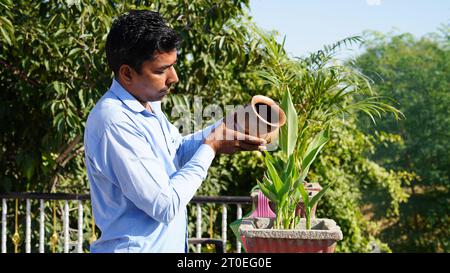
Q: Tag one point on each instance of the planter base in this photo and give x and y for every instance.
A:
(259, 237)
(265, 245)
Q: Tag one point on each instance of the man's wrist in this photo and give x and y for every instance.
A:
(210, 144)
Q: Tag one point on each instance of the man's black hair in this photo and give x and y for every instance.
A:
(135, 37)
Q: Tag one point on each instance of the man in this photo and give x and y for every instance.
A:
(142, 172)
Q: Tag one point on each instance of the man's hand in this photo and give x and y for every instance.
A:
(224, 140)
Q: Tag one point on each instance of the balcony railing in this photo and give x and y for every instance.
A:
(69, 245)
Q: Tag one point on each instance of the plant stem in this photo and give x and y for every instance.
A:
(308, 218)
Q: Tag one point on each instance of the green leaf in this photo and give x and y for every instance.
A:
(274, 176)
(276, 162)
(288, 176)
(7, 4)
(272, 196)
(268, 156)
(57, 33)
(5, 36)
(319, 195)
(222, 39)
(28, 167)
(58, 87)
(307, 205)
(81, 98)
(235, 227)
(73, 51)
(47, 65)
(313, 150)
(268, 183)
(287, 186)
(7, 30)
(289, 168)
(304, 195)
(297, 182)
(288, 132)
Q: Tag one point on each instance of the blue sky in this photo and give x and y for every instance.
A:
(310, 24)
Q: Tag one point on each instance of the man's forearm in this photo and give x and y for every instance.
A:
(190, 143)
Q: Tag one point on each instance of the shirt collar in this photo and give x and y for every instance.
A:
(156, 106)
(126, 97)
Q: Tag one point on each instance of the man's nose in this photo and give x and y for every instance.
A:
(173, 77)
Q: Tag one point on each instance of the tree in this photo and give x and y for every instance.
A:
(329, 93)
(416, 73)
(53, 70)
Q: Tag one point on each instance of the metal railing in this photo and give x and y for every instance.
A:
(77, 245)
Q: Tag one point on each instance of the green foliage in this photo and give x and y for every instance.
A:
(54, 68)
(416, 73)
(324, 91)
(309, 203)
(345, 164)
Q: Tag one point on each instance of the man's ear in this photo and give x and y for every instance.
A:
(126, 73)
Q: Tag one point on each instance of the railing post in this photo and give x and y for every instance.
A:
(41, 225)
(238, 216)
(4, 211)
(224, 227)
(198, 226)
(28, 227)
(80, 227)
(66, 226)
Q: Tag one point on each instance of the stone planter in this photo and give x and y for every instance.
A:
(311, 188)
(258, 236)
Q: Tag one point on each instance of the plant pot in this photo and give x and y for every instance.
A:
(258, 236)
(261, 118)
(311, 188)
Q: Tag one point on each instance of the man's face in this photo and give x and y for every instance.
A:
(156, 77)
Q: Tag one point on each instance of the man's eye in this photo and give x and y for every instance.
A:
(160, 72)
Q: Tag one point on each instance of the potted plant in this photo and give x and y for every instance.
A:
(324, 91)
(284, 185)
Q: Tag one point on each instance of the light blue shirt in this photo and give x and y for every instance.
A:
(142, 174)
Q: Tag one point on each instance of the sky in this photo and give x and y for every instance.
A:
(310, 24)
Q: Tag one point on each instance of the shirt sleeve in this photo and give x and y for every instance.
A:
(138, 172)
(188, 145)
